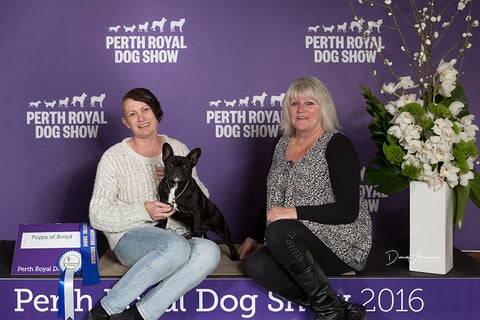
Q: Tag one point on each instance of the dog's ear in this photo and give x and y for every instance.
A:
(167, 152)
(194, 155)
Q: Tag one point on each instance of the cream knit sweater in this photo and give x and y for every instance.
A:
(123, 183)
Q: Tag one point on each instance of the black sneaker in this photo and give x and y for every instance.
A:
(129, 314)
(98, 313)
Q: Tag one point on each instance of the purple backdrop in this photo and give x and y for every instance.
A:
(217, 67)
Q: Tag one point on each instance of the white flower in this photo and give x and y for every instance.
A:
(445, 66)
(439, 155)
(455, 107)
(446, 88)
(471, 162)
(444, 128)
(442, 148)
(446, 71)
(391, 108)
(469, 129)
(467, 120)
(435, 150)
(426, 153)
(395, 131)
(406, 99)
(449, 172)
(469, 132)
(406, 83)
(412, 133)
(464, 179)
(404, 119)
(389, 88)
(433, 178)
(413, 147)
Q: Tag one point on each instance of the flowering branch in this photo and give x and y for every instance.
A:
(431, 137)
(430, 30)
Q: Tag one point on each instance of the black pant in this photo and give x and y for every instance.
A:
(285, 241)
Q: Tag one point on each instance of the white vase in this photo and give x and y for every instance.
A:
(431, 228)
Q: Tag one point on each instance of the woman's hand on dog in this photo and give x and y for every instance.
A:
(159, 210)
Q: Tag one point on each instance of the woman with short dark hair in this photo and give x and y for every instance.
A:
(162, 263)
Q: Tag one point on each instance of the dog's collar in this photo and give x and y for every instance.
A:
(176, 196)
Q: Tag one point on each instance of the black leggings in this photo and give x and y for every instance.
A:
(286, 240)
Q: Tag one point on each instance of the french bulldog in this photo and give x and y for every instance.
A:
(192, 207)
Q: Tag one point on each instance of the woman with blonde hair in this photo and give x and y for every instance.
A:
(317, 221)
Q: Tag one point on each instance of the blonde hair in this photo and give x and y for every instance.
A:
(313, 88)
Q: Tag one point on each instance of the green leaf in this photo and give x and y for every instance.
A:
(475, 189)
(381, 118)
(461, 199)
(384, 177)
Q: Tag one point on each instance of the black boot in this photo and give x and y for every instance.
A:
(354, 311)
(310, 277)
(98, 313)
(292, 292)
(129, 314)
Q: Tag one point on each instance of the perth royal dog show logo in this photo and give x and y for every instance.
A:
(249, 116)
(344, 42)
(156, 41)
(69, 117)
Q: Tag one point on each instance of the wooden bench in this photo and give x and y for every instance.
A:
(109, 266)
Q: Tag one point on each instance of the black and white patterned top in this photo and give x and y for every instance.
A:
(324, 187)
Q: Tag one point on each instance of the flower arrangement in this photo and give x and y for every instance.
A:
(424, 131)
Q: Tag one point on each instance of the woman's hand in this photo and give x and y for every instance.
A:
(159, 210)
(279, 213)
(248, 246)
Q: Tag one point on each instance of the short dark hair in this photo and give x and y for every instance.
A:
(145, 95)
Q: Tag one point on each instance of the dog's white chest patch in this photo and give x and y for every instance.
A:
(171, 196)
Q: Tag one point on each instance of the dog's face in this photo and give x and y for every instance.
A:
(178, 169)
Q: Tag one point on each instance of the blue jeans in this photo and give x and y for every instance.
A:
(156, 257)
